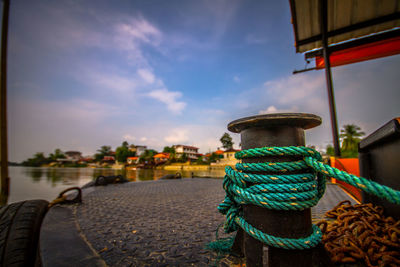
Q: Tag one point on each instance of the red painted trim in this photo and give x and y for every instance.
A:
(365, 52)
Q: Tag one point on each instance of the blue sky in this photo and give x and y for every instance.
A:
(83, 74)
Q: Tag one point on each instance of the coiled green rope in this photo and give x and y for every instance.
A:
(283, 191)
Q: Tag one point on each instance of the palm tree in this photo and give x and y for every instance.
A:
(350, 135)
(104, 150)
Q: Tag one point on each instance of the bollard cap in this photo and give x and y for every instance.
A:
(302, 120)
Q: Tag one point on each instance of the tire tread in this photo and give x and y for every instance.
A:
(22, 221)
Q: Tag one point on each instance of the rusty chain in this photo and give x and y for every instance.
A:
(361, 234)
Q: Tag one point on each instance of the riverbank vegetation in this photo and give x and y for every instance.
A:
(105, 157)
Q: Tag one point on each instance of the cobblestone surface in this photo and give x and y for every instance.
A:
(160, 223)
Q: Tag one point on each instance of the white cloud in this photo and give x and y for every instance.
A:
(140, 29)
(147, 75)
(114, 82)
(75, 110)
(68, 125)
(63, 26)
(273, 109)
(255, 39)
(130, 36)
(143, 139)
(355, 91)
(236, 79)
(270, 109)
(303, 91)
(177, 136)
(216, 18)
(170, 99)
(129, 138)
(223, 13)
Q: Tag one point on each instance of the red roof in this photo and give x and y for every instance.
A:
(132, 158)
(232, 150)
(219, 152)
(162, 155)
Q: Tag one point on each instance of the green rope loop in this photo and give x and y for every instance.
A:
(282, 191)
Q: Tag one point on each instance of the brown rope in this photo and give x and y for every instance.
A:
(62, 198)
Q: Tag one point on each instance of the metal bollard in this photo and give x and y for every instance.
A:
(281, 129)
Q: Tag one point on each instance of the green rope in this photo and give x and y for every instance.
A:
(283, 191)
(222, 245)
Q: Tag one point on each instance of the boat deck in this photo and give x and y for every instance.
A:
(154, 223)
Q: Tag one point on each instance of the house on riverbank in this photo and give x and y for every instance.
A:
(132, 160)
(192, 152)
(73, 155)
(228, 159)
(70, 157)
(139, 150)
(161, 157)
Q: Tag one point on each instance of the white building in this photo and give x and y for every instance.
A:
(228, 159)
(73, 155)
(138, 149)
(191, 151)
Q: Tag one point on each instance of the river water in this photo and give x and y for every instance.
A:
(46, 183)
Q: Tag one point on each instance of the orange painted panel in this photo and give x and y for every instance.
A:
(350, 165)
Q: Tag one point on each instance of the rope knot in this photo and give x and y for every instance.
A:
(249, 184)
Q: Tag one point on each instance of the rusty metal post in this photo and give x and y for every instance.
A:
(5, 180)
(323, 17)
(282, 129)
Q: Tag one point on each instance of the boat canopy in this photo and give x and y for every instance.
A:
(339, 32)
(346, 20)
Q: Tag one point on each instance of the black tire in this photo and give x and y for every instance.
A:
(19, 232)
(101, 180)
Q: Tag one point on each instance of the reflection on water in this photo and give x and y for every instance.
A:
(46, 183)
(36, 174)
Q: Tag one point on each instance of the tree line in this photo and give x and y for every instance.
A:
(40, 159)
(121, 154)
(350, 136)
